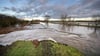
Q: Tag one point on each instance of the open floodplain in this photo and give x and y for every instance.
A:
(74, 40)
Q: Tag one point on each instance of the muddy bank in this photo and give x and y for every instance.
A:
(10, 29)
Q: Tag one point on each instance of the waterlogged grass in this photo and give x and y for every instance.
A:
(45, 48)
(63, 50)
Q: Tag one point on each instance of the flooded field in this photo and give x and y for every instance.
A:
(88, 41)
(75, 23)
(85, 39)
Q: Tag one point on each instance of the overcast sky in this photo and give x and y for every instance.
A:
(54, 8)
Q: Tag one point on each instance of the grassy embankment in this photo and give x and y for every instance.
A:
(45, 48)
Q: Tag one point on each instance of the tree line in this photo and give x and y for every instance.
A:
(6, 21)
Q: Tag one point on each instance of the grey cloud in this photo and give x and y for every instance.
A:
(86, 1)
(40, 7)
(93, 4)
(85, 8)
(96, 5)
(43, 1)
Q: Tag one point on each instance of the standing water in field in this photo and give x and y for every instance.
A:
(88, 41)
(83, 38)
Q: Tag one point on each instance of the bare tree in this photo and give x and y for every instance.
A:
(63, 19)
(96, 19)
(47, 17)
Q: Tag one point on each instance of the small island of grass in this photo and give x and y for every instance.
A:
(45, 48)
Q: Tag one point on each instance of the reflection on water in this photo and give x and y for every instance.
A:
(73, 29)
(89, 41)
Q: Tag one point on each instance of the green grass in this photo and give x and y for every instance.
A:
(45, 48)
(63, 50)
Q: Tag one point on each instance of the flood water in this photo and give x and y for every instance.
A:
(89, 41)
(85, 39)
